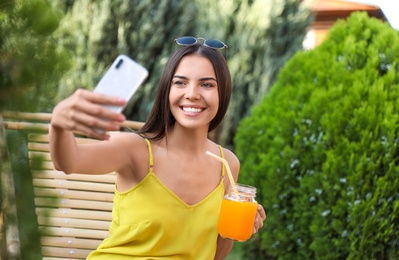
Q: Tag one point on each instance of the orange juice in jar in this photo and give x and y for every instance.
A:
(237, 213)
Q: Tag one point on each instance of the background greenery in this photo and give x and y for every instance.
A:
(261, 35)
(31, 61)
(322, 148)
(50, 48)
(31, 65)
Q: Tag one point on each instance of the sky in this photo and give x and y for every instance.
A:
(390, 8)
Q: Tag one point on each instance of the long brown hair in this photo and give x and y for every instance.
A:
(161, 119)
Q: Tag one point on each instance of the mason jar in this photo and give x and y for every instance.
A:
(238, 212)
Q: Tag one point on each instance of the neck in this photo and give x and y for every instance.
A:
(188, 140)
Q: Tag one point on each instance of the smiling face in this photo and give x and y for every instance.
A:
(193, 97)
(208, 64)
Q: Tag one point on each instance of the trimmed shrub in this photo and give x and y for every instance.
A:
(322, 149)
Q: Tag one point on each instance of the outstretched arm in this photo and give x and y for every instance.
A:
(81, 112)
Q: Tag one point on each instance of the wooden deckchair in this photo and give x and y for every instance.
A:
(73, 211)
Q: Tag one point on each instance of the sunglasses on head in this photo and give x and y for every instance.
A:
(189, 40)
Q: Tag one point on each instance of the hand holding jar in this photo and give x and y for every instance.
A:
(240, 214)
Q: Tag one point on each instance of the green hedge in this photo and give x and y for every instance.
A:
(322, 148)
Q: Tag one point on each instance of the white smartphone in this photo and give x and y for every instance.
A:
(122, 79)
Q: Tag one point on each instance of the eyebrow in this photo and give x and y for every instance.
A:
(201, 79)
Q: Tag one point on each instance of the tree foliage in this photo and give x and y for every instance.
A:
(322, 147)
(30, 60)
(31, 63)
(262, 36)
(97, 31)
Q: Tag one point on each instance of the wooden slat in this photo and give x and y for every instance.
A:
(74, 223)
(73, 232)
(41, 138)
(74, 213)
(71, 194)
(73, 203)
(25, 126)
(44, 138)
(49, 174)
(75, 185)
(38, 147)
(26, 116)
(70, 242)
(65, 252)
(41, 165)
(39, 155)
(45, 147)
(57, 258)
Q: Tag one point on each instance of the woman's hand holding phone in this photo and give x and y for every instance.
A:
(87, 112)
(95, 112)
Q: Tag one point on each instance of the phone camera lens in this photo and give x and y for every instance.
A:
(119, 63)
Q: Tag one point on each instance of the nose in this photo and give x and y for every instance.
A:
(192, 92)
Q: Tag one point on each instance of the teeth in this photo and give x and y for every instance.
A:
(192, 109)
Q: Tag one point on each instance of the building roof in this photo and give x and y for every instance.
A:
(327, 12)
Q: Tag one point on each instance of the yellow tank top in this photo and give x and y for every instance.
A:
(150, 222)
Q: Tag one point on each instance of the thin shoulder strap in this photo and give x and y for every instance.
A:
(151, 160)
(222, 155)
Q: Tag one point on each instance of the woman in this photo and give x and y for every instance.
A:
(168, 191)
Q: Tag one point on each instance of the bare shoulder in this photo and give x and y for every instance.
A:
(233, 161)
(230, 156)
(131, 143)
(132, 147)
(128, 138)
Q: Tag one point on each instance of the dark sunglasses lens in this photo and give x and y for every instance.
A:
(186, 40)
(215, 44)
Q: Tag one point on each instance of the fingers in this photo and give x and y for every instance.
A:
(261, 212)
(95, 104)
(259, 219)
(86, 112)
(258, 224)
(99, 98)
(91, 126)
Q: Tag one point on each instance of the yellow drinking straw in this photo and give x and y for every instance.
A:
(226, 164)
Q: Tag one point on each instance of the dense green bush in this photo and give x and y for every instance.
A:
(322, 148)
